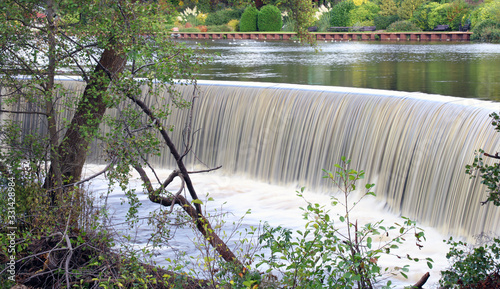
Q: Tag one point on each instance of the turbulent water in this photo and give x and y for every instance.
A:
(413, 146)
(273, 138)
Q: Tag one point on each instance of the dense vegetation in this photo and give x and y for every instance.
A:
(483, 17)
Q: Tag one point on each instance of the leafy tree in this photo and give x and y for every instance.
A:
(115, 51)
(362, 13)
(487, 10)
(340, 13)
(422, 14)
(407, 8)
(301, 14)
(388, 8)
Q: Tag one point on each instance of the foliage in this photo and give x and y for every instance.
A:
(403, 25)
(222, 17)
(248, 21)
(489, 173)
(323, 22)
(301, 15)
(421, 15)
(388, 8)
(219, 28)
(362, 13)
(382, 22)
(269, 18)
(471, 265)
(487, 10)
(405, 11)
(438, 16)
(234, 24)
(455, 12)
(486, 31)
(191, 16)
(328, 254)
(340, 13)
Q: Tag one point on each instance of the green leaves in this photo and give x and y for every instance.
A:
(348, 257)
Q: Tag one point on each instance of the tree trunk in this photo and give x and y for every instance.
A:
(91, 108)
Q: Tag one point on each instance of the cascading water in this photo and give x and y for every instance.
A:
(413, 146)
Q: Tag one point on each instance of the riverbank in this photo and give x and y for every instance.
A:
(458, 36)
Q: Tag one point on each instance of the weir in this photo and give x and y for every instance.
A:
(413, 146)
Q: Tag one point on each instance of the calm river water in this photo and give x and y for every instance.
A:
(456, 69)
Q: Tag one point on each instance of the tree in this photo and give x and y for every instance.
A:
(121, 59)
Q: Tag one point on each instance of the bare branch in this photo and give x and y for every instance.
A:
(24, 112)
(495, 156)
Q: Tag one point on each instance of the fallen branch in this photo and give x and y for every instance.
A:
(202, 224)
(421, 282)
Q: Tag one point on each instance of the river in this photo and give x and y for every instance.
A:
(468, 70)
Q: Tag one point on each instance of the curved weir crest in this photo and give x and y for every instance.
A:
(413, 146)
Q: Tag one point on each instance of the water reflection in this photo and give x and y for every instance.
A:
(456, 69)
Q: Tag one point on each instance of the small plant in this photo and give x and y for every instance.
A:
(328, 254)
(473, 265)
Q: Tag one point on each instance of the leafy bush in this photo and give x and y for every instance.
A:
(248, 21)
(269, 18)
(234, 24)
(487, 31)
(382, 22)
(403, 25)
(421, 15)
(455, 12)
(219, 28)
(407, 7)
(438, 16)
(363, 13)
(189, 29)
(471, 265)
(487, 10)
(326, 256)
(340, 13)
(222, 17)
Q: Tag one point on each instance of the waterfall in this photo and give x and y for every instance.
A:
(413, 146)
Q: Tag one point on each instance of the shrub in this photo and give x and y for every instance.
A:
(219, 28)
(490, 10)
(222, 17)
(189, 29)
(269, 18)
(455, 12)
(325, 256)
(340, 13)
(248, 21)
(438, 15)
(472, 265)
(403, 25)
(234, 24)
(421, 16)
(363, 13)
(382, 22)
